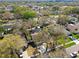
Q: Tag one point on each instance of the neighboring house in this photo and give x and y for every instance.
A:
(2, 8)
(73, 20)
(36, 8)
(73, 27)
(46, 7)
(30, 5)
(73, 15)
(8, 28)
(35, 30)
(77, 26)
(9, 8)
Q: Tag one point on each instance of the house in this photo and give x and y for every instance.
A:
(73, 20)
(73, 27)
(9, 8)
(35, 30)
(30, 5)
(35, 8)
(77, 26)
(8, 28)
(46, 7)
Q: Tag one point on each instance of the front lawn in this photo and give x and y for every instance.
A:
(69, 45)
(65, 41)
(76, 36)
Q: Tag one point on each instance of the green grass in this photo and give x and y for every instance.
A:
(76, 36)
(69, 45)
(63, 41)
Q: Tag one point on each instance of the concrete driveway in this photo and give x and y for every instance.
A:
(72, 49)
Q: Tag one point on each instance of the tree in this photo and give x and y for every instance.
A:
(10, 45)
(55, 8)
(71, 10)
(24, 12)
(5, 50)
(28, 14)
(18, 9)
(7, 16)
(54, 31)
(1, 29)
(45, 12)
(40, 37)
(73, 20)
(62, 19)
(27, 34)
(58, 53)
(2, 11)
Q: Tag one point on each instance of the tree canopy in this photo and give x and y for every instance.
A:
(71, 10)
(24, 12)
(9, 45)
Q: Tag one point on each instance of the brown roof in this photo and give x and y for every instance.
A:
(71, 27)
(77, 25)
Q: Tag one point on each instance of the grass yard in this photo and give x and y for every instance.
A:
(69, 45)
(76, 36)
(64, 41)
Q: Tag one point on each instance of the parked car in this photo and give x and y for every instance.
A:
(73, 55)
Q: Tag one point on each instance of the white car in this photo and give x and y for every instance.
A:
(74, 54)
